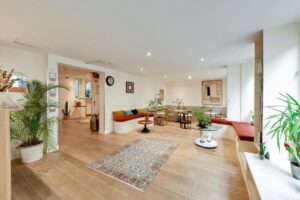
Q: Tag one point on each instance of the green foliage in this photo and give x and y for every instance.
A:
(286, 123)
(30, 124)
(203, 119)
(66, 111)
(6, 80)
(155, 104)
(88, 93)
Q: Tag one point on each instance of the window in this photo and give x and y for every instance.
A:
(76, 88)
(88, 89)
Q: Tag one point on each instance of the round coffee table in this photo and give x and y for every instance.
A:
(145, 123)
(207, 142)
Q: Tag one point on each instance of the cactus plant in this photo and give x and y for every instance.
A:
(6, 80)
(66, 111)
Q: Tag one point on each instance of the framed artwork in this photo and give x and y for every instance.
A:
(162, 94)
(212, 92)
(129, 87)
(52, 75)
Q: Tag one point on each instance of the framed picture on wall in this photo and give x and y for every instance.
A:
(212, 92)
(129, 87)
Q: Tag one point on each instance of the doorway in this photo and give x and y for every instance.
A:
(82, 99)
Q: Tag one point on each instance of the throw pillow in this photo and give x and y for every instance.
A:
(141, 111)
(119, 113)
(134, 111)
(128, 112)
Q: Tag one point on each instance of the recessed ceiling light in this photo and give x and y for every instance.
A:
(149, 53)
(208, 72)
(202, 59)
(142, 69)
(189, 77)
(165, 76)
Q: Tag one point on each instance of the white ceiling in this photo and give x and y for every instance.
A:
(177, 32)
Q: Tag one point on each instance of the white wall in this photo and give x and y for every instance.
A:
(281, 69)
(240, 92)
(191, 93)
(30, 63)
(115, 96)
(247, 91)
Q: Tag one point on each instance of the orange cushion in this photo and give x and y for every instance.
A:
(140, 111)
(119, 113)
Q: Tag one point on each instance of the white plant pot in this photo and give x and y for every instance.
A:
(32, 153)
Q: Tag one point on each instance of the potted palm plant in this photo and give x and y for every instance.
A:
(203, 119)
(285, 123)
(30, 124)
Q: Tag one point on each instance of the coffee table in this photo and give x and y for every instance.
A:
(207, 142)
(145, 123)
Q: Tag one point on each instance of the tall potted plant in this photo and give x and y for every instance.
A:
(154, 105)
(203, 119)
(30, 124)
(285, 123)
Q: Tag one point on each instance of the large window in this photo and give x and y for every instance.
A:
(76, 88)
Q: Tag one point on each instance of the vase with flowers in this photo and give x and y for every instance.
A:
(6, 82)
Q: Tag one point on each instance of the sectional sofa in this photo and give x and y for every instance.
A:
(126, 121)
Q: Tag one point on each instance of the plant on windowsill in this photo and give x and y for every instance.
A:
(30, 125)
(154, 105)
(203, 119)
(286, 123)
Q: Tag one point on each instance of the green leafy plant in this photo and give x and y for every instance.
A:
(155, 104)
(6, 80)
(30, 124)
(203, 119)
(179, 103)
(88, 93)
(286, 124)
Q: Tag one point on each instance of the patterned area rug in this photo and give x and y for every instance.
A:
(136, 163)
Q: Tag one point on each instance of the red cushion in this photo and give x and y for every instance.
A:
(220, 121)
(244, 130)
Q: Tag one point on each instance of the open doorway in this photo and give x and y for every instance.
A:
(82, 100)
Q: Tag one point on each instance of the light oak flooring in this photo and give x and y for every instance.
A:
(190, 173)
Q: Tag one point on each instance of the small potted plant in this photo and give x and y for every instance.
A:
(285, 123)
(30, 124)
(203, 119)
(66, 111)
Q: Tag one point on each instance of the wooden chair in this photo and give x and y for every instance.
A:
(186, 120)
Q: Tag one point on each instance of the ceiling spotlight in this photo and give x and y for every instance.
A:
(189, 77)
(149, 53)
(142, 69)
(165, 76)
(208, 72)
(202, 59)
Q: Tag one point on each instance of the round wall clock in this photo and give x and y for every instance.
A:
(110, 80)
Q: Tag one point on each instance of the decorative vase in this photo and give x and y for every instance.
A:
(32, 153)
(295, 170)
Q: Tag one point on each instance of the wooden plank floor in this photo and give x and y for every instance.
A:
(190, 173)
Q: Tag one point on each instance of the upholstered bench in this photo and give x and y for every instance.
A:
(244, 130)
(124, 122)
